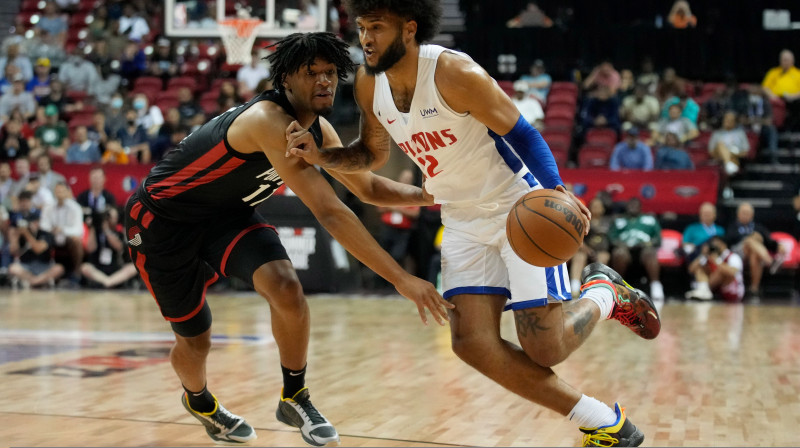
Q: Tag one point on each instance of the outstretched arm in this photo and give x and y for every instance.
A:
(265, 130)
(370, 187)
(368, 152)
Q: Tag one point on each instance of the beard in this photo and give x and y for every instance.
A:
(394, 53)
(324, 111)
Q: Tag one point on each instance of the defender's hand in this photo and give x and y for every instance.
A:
(586, 215)
(300, 143)
(424, 294)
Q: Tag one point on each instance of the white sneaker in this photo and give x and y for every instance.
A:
(657, 292)
(700, 294)
(731, 168)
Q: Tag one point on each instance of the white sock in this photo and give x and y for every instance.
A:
(575, 284)
(592, 413)
(703, 285)
(601, 295)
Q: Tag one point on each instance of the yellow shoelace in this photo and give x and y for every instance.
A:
(599, 439)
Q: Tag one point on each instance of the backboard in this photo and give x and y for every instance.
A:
(198, 18)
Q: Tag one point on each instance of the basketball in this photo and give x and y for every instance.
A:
(545, 228)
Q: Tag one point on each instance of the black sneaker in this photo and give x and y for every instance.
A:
(621, 433)
(632, 307)
(221, 425)
(300, 413)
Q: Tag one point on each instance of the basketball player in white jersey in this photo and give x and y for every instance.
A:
(479, 156)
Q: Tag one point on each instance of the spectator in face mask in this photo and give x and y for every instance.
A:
(115, 118)
(149, 117)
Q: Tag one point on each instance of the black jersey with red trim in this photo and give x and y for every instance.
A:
(206, 178)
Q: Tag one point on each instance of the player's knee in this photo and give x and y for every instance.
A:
(283, 290)
(470, 348)
(197, 345)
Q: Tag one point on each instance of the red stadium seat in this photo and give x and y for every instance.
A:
(24, 17)
(790, 247)
(166, 104)
(209, 106)
(76, 95)
(710, 88)
(218, 82)
(560, 111)
(167, 95)
(753, 140)
(150, 81)
(81, 119)
(560, 155)
(557, 138)
(80, 20)
(211, 95)
(778, 112)
(699, 156)
(593, 156)
(564, 86)
(671, 241)
(30, 6)
(559, 123)
(507, 86)
(562, 97)
(182, 81)
(701, 142)
(601, 136)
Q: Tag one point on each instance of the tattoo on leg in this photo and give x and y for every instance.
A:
(528, 320)
(580, 321)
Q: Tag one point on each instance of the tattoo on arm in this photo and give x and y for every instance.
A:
(353, 157)
(579, 323)
(357, 155)
(528, 320)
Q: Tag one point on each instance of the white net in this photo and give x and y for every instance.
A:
(238, 36)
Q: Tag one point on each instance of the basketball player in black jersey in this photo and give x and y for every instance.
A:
(193, 220)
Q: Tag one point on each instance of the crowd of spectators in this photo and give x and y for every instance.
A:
(691, 124)
(104, 86)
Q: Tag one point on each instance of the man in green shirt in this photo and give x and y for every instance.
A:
(52, 137)
(636, 236)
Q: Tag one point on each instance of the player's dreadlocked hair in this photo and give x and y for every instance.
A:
(427, 13)
(300, 49)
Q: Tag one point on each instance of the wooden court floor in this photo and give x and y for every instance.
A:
(90, 369)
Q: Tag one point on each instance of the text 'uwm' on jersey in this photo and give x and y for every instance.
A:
(206, 178)
(461, 158)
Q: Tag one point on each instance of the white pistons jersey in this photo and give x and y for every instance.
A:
(461, 159)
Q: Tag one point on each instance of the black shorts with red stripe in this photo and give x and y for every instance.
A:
(178, 261)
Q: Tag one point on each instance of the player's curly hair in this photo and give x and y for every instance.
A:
(427, 13)
(299, 50)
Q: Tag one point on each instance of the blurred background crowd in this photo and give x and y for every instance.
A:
(99, 83)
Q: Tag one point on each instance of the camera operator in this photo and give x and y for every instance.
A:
(32, 249)
(106, 250)
(717, 270)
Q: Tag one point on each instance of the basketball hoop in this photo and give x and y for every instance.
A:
(238, 36)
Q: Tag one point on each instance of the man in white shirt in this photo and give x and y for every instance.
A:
(250, 75)
(64, 220)
(78, 73)
(530, 108)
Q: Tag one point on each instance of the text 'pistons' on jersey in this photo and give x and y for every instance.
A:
(463, 161)
(205, 178)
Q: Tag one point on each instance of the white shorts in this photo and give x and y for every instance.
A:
(477, 257)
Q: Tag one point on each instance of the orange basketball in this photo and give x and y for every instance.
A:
(545, 228)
